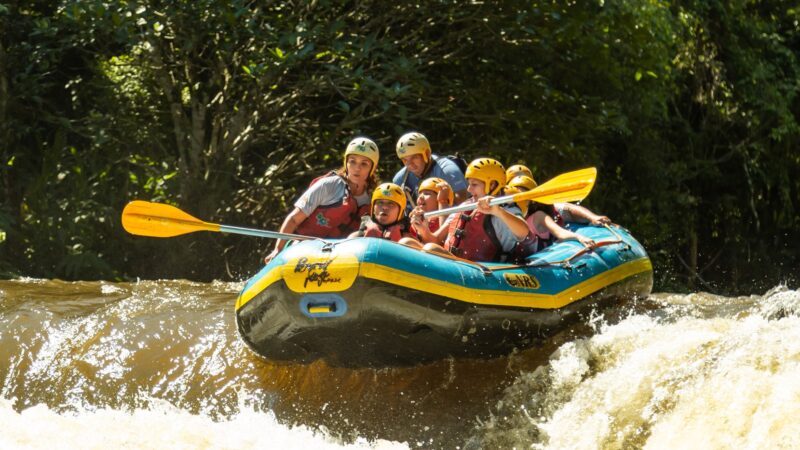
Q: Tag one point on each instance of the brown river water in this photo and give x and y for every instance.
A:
(158, 364)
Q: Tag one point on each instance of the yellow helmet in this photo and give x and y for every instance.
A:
(366, 147)
(513, 187)
(522, 181)
(391, 192)
(516, 170)
(413, 144)
(432, 184)
(487, 170)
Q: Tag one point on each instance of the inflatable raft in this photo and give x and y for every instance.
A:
(369, 302)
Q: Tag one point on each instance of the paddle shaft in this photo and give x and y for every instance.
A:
(528, 195)
(468, 207)
(262, 233)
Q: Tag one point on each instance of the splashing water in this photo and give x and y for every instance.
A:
(159, 364)
(697, 371)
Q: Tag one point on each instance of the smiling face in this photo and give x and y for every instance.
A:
(476, 188)
(427, 199)
(415, 164)
(358, 168)
(385, 212)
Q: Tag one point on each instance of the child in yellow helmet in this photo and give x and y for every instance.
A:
(434, 194)
(546, 222)
(387, 219)
(488, 232)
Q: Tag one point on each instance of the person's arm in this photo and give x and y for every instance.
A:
(578, 213)
(563, 234)
(420, 224)
(290, 224)
(516, 224)
(443, 196)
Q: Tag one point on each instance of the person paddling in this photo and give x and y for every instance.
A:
(546, 222)
(387, 220)
(332, 206)
(570, 212)
(488, 233)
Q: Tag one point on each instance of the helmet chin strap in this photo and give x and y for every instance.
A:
(428, 165)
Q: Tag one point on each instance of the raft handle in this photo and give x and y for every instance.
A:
(323, 305)
(321, 308)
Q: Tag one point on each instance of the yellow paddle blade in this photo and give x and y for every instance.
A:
(158, 220)
(568, 187)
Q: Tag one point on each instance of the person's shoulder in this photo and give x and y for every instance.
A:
(326, 186)
(398, 176)
(331, 178)
(448, 167)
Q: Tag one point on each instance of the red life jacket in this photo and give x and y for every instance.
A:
(393, 232)
(335, 220)
(472, 237)
(433, 223)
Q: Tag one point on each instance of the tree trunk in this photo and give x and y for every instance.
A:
(692, 281)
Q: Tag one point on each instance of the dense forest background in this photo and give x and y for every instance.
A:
(689, 109)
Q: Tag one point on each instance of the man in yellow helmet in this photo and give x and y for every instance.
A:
(419, 163)
(488, 233)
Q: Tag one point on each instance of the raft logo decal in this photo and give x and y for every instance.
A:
(324, 272)
(521, 280)
(315, 272)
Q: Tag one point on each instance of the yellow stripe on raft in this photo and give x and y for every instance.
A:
(505, 298)
(477, 296)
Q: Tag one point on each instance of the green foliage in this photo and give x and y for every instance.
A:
(229, 108)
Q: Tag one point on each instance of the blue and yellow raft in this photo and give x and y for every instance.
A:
(369, 302)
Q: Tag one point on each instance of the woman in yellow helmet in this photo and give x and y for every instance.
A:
(332, 205)
(387, 220)
(487, 233)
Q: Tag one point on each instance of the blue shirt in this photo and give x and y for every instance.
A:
(442, 168)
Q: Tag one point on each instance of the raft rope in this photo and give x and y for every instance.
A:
(565, 263)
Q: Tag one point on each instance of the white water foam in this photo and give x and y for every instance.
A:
(161, 426)
(666, 381)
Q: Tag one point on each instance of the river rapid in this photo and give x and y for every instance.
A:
(158, 364)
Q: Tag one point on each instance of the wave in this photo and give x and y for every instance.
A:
(696, 371)
(162, 426)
